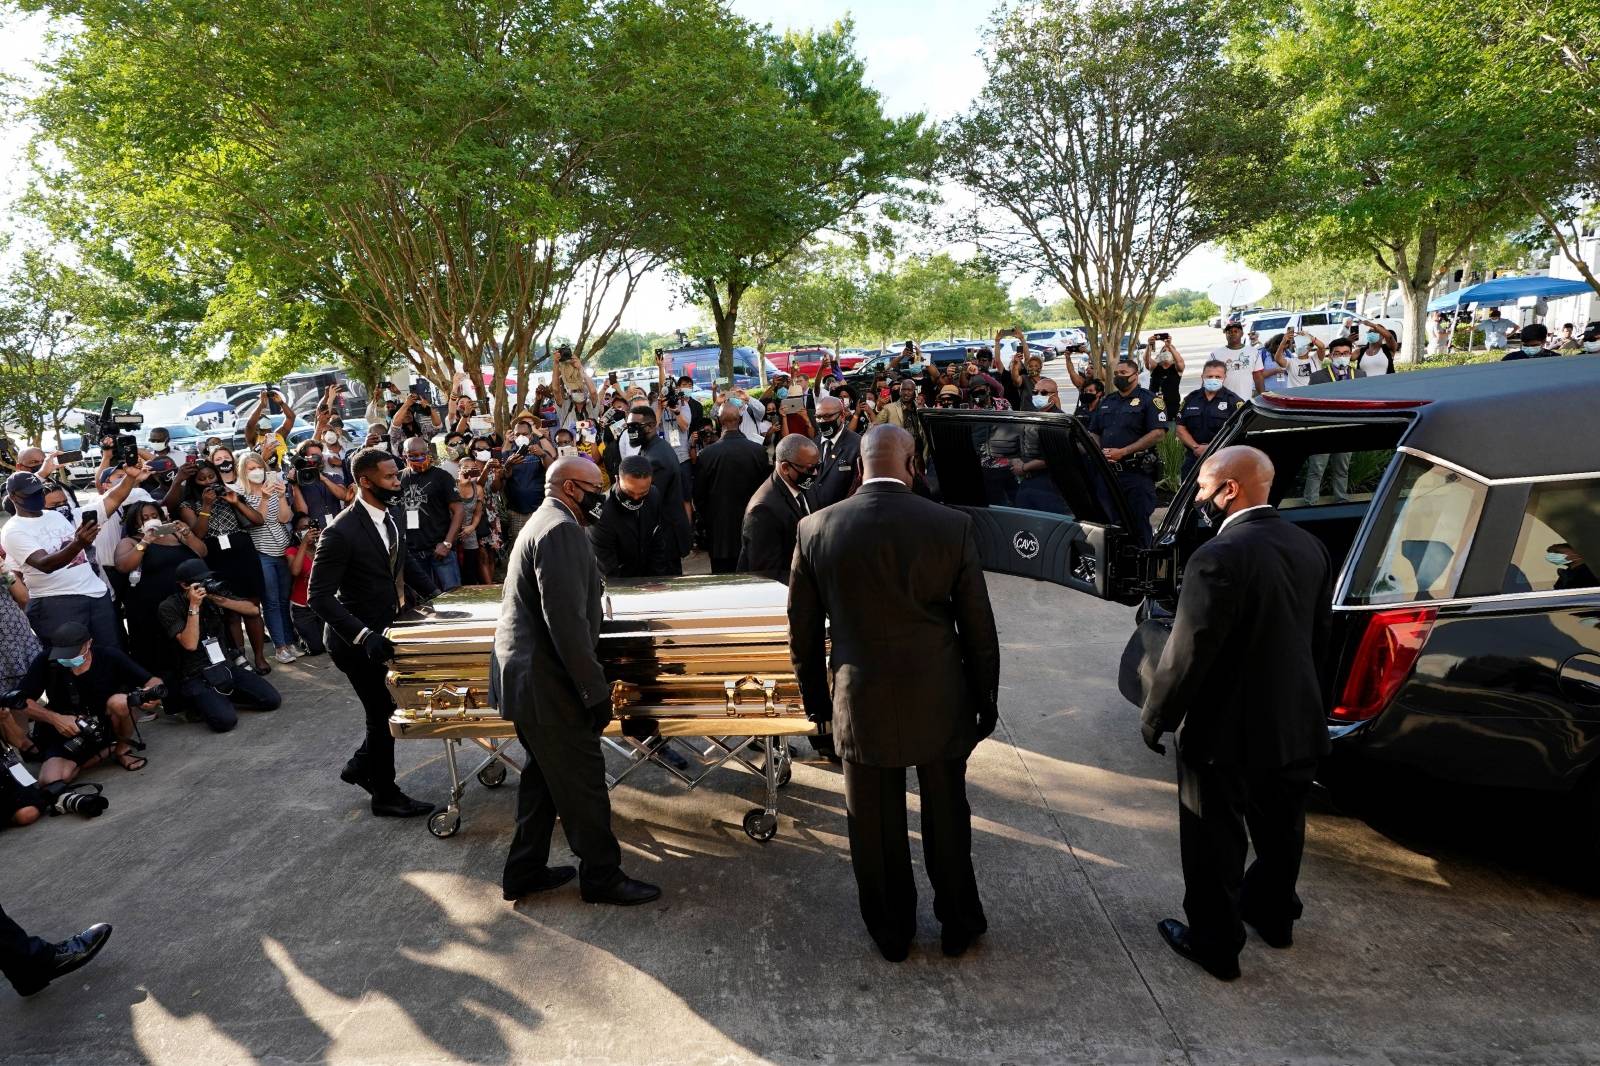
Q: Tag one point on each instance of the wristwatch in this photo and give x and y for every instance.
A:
(194, 610)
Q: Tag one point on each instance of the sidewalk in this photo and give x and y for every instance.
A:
(262, 915)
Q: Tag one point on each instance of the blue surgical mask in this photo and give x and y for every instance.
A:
(1556, 558)
(1369, 337)
(735, 401)
(1040, 400)
(1211, 384)
(915, 368)
(1532, 349)
(74, 662)
(782, 393)
(1341, 361)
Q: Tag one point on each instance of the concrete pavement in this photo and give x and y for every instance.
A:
(263, 916)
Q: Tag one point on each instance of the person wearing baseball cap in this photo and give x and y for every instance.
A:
(90, 715)
(211, 682)
(53, 556)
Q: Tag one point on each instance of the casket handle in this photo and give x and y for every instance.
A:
(468, 699)
(735, 690)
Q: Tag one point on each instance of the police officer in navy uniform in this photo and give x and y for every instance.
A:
(1204, 412)
(1127, 424)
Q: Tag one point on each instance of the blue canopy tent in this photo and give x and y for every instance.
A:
(1508, 290)
(210, 407)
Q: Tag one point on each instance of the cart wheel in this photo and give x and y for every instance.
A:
(785, 772)
(760, 825)
(493, 775)
(443, 824)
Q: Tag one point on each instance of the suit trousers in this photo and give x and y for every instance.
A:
(21, 955)
(725, 564)
(880, 848)
(376, 753)
(565, 775)
(1217, 805)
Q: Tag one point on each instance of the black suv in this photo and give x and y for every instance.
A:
(1465, 536)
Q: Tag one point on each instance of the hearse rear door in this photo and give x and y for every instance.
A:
(1067, 524)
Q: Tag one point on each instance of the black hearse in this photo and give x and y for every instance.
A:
(1466, 541)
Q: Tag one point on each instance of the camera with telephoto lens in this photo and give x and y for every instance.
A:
(307, 469)
(214, 586)
(93, 736)
(140, 696)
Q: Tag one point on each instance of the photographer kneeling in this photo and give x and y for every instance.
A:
(210, 682)
(93, 693)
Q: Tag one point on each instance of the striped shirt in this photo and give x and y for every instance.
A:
(272, 536)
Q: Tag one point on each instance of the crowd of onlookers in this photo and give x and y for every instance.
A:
(165, 590)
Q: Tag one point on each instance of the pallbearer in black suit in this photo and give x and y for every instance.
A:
(1249, 735)
(919, 587)
(777, 507)
(547, 676)
(357, 586)
(726, 475)
(840, 448)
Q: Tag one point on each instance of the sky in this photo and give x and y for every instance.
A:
(921, 55)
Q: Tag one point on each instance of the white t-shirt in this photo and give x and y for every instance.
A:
(1299, 371)
(1374, 363)
(105, 542)
(1241, 364)
(22, 537)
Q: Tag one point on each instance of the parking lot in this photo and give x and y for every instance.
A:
(263, 916)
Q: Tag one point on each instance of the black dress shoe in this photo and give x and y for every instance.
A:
(1176, 934)
(399, 805)
(955, 939)
(624, 892)
(69, 955)
(893, 950)
(1275, 936)
(355, 774)
(548, 878)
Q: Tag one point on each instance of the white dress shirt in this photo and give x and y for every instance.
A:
(1236, 514)
(380, 518)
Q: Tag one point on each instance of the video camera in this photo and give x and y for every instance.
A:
(125, 446)
(306, 469)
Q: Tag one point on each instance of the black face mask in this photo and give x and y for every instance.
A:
(804, 479)
(827, 426)
(1126, 384)
(628, 501)
(947, 404)
(1212, 514)
(592, 503)
(226, 466)
(384, 495)
(638, 435)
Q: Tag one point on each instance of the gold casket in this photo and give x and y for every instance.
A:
(687, 657)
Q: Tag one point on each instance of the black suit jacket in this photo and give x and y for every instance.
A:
(546, 669)
(1245, 671)
(668, 480)
(1325, 376)
(726, 475)
(838, 468)
(767, 544)
(356, 581)
(634, 543)
(914, 651)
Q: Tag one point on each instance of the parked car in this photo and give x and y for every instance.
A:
(1466, 638)
(1056, 340)
(1324, 325)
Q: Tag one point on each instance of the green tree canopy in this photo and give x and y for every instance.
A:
(441, 177)
(805, 149)
(1110, 140)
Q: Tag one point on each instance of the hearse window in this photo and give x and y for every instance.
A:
(1420, 538)
(1558, 546)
